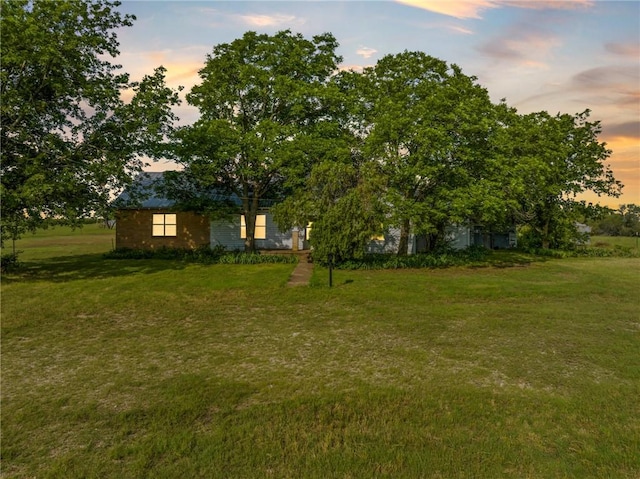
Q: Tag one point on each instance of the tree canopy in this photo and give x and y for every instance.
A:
(410, 143)
(436, 152)
(264, 104)
(556, 158)
(430, 127)
(68, 139)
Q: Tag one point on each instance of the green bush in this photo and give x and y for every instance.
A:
(255, 258)
(9, 262)
(441, 259)
(203, 255)
(616, 252)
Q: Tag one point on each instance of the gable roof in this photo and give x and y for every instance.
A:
(148, 192)
(143, 193)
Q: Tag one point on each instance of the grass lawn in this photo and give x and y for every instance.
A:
(151, 368)
(612, 241)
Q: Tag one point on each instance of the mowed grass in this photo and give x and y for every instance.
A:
(613, 241)
(114, 368)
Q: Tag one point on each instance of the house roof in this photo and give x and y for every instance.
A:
(143, 193)
(147, 191)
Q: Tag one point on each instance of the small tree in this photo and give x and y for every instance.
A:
(343, 202)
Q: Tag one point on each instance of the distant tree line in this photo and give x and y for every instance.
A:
(411, 143)
(625, 221)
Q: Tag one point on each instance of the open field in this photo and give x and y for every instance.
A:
(612, 241)
(62, 241)
(150, 368)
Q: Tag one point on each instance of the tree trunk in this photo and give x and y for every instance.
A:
(432, 242)
(250, 214)
(403, 245)
(545, 235)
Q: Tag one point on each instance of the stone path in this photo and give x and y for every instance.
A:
(302, 274)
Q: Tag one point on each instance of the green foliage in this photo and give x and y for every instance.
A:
(623, 222)
(556, 158)
(563, 235)
(430, 130)
(203, 255)
(9, 262)
(263, 106)
(342, 200)
(255, 258)
(442, 258)
(68, 140)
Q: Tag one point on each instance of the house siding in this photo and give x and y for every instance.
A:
(276, 239)
(458, 236)
(134, 230)
(227, 234)
(390, 243)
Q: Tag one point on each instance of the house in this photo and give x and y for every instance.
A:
(146, 219)
(458, 237)
(584, 234)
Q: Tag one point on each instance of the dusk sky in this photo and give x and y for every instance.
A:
(558, 56)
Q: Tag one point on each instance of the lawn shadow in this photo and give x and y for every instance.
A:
(87, 266)
(512, 259)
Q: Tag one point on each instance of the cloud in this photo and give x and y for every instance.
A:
(614, 85)
(548, 4)
(273, 20)
(606, 76)
(366, 52)
(627, 130)
(624, 49)
(522, 43)
(453, 8)
(459, 29)
(473, 8)
(352, 67)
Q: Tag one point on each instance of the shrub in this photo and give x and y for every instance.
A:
(443, 258)
(202, 254)
(616, 252)
(9, 262)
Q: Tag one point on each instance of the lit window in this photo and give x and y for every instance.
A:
(261, 227)
(164, 225)
(378, 237)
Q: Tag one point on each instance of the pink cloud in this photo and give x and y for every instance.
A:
(366, 52)
(473, 8)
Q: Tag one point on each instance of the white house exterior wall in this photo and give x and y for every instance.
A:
(390, 243)
(227, 233)
(458, 236)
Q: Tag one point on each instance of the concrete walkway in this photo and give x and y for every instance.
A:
(302, 274)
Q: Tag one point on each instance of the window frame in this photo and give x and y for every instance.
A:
(164, 225)
(260, 232)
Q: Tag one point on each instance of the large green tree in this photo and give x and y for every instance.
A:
(68, 140)
(557, 157)
(265, 109)
(430, 129)
(342, 196)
